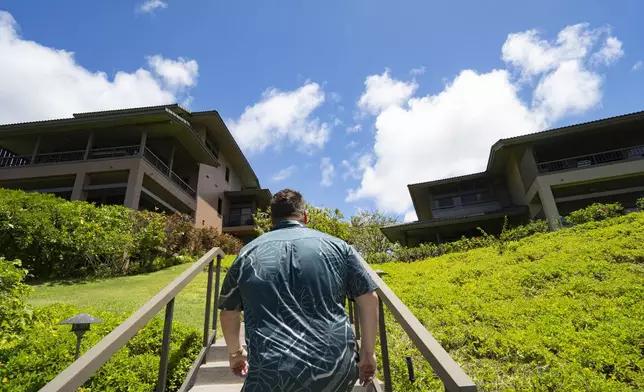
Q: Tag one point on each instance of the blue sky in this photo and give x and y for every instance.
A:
(431, 85)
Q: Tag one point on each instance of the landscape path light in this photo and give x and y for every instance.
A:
(80, 324)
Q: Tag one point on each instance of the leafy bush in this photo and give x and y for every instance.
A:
(55, 238)
(45, 349)
(523, 231)
(560, 311)
(640, 203)
(14, 315)
(323, 219)
(595, 212)
(365, 234)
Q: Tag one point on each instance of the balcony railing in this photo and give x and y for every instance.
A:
(582, 161)
(98, 153)
(163, 168)
(236, 220)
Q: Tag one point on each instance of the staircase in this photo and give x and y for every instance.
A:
(210, 370)
(215, 374)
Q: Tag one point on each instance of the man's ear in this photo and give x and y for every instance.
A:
(306, 218)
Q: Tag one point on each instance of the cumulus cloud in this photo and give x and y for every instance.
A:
(328, 172)
(423, 138)
(38, 82)
(150, 6)
(284, 173)
(637, 65)
(282, 116)
(382, 92)
(178, 73)
(355, 128)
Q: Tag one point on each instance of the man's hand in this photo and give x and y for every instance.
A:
(239, 364)
(367, 367)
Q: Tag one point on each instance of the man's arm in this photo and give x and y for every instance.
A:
(231, 327)
(368, 313)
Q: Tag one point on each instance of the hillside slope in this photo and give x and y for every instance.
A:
(559, 311)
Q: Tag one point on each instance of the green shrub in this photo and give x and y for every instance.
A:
(640, 203)
(595, 212)
(523, 231)
(560, 311)
(14, 314)
(55, 238)
(45, 349)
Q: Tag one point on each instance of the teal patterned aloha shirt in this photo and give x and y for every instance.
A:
(292, 283)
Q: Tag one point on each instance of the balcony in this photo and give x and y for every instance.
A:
(600, 158)
(98, 153)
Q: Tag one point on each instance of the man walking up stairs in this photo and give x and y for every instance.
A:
(291, 284)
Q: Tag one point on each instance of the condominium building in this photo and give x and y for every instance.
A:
(163, 157)
(543, 175)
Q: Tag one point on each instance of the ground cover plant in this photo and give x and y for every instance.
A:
(555, 311)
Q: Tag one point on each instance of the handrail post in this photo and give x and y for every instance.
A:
(206, 323)
(386, 370)
(165, 346)
(217, 277)
(350, 311)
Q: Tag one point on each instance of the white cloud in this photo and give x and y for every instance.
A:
(637, 65)
(355, 128)
(284, 173)
(417, 71)
(382, 92)
(610, 52)
(178, 73)
(352, 144)
(151, 5)
(335, 97)
(423, 138)
(328, 172)
(282, 117)
(410, 216)
(355, 170)
(38, 82)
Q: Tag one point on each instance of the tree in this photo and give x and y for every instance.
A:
(365, 233)
(323, 219)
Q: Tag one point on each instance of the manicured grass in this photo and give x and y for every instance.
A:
(125, 295)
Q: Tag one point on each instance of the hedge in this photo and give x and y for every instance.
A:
(56, 238)
(46, 349)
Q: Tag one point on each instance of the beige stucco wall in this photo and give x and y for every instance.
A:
(212, 185)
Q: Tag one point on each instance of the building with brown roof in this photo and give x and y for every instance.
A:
(161, 157)
(542, 175)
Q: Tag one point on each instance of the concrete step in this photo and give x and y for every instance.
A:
(217, 388)
(238, 387)
(216, 373)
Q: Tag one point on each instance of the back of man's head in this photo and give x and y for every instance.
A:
(288, 204)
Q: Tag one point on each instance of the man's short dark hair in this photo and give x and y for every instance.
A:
(287, 203)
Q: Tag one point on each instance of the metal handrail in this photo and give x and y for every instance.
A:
(15, 161)
(619, 154)
(453, 377)
(84, 367)
(112, 152)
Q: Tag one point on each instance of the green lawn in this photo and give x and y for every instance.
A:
(126, 294)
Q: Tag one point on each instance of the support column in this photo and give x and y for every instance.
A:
(134, 186)
(172, 157)
(79, 184)
(144, 139)
(90, 141)
(36, 147)
(549, 206)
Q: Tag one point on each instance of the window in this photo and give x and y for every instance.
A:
(227, 174)
(470, 198)
(219, 202)
(444, 202)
